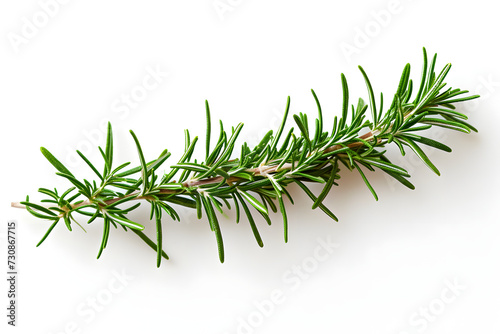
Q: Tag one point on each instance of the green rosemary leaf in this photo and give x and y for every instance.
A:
(78, 205)
(245, 176)
(282, 126)
(327, 187)
(49, 201)
(158, 162)
(288, 154)
(90, 164)
(445, 111)
(47, 233)
(145, 184)
(403, 82)
(120, 201)
(276, 185)
(384, 165)
(431, 75)
(413, 119)
(187, 139)
(263, 157)
(399, 114)
(109, 148)
(460, 121)
(268, 191)
(94, 216)
(125, 186)
(263, 143)
(237, 207)
(428, 142)
(266, 217)
(345, 102)
(418, 151)
(85, 213)
(285, 144)
(401, 179)
(125, 222)
(363, 176)
(251, 221)
(169, 210)
(416, 129)
(335, 152)
(114, 209)
(371, 95)
(199, 213)
(221, 189)
(226, 152)
(462, 99)
(435, 87)
(357, 118)
(287, 194)
(309, 177)
(381, 108)
(271, 204)
(56, 163)
(77, 223)
(214, 223)
(319, 131)
(83, 189)
(27, 203)
(107, 168)
(117, 169)
(314, 199)
(39, 215)
(191, 167)
(130, 171)
(182, 201)
(423, 77)
(253, 201)
(400, 146)
(48, 192)
(215, 203)
(453, 125)
(149, 242)
(285, 218)
(303, 130)
(66, 193)
(67, 222)
(221, 143)
(209, 128)
(171, 186)
(279, 190)
(159, 236)
(105, 236)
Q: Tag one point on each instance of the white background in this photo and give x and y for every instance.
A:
(395, 259)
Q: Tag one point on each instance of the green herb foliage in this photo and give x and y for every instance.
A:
(255, 180)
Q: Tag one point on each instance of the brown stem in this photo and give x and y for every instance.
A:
(262, 170)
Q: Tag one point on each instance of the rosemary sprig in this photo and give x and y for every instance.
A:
(257, 177)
